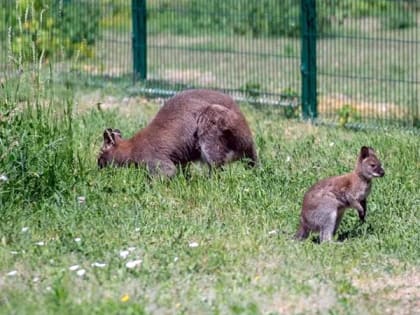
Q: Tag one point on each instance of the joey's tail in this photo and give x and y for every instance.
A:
(302, 233)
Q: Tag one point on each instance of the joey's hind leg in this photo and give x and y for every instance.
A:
(328, 226)
(302, 233)
(326, 234)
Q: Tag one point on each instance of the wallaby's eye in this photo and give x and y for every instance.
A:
(372, 165)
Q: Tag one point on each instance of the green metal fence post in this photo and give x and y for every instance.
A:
(308, 58)
(139, 39)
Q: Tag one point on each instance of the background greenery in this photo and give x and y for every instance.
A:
(271, 17)
(67, 27)
(51, 28)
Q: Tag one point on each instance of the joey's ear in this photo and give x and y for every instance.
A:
(371, 151)
(109, 137)
(364, 152)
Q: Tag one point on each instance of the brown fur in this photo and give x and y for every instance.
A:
(192, 125)
(325, 202)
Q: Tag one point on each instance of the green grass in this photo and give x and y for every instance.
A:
(48, 147)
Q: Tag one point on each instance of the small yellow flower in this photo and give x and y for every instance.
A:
(125, 298)
(257, 277)
(178, 305)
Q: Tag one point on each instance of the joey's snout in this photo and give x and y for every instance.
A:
(380, 172)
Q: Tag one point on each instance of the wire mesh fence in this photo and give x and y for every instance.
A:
(366, 68)
(368, 62)
(215, 45)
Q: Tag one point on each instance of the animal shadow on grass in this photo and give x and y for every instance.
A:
(347, 235)
(355, 233)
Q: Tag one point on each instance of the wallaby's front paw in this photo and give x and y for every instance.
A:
(362, 216)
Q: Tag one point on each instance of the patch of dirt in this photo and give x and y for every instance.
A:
(99, 70)
(126, 105)
(178, 40)
(318, 298)
(333, 103)
(296, 131)
(177, 75)
(402, 292)
(319, 302)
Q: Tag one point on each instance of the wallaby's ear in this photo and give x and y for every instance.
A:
(109, 137)
(364, 152)
(116, 133)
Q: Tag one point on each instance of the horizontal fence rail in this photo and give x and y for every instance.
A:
(349, 62)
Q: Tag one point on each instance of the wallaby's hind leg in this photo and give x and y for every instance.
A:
(214, 152)
(214, 135)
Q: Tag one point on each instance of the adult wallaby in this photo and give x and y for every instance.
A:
(325, 202)
(192, 125)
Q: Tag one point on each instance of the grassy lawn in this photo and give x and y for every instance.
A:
(78, 240)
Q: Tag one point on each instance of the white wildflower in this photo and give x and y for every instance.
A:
(132, 264)
(81, 272)
(273, 232)
(81, 199)
(3, 178)
(124, 254)
(77, 239)
(13, 252)
(193, 244)
(12, 273)
(176, 258)
(74, 267)
(98, 264)
(137, 229)
(35, 279)
(131, 249)
(25, 229)
(288, 158)
(331, 144)
(41, 243)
